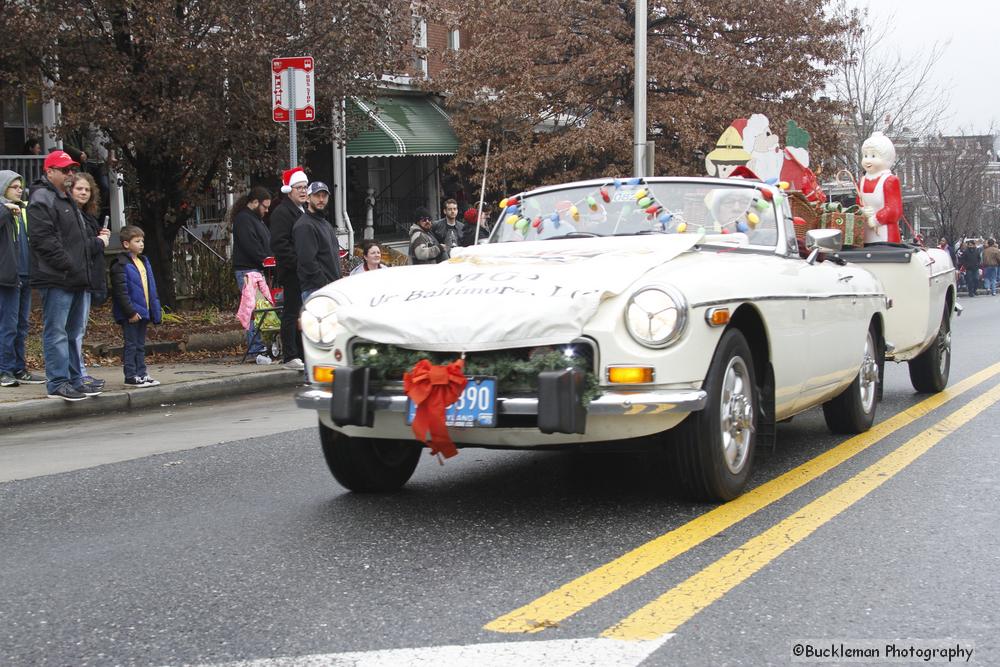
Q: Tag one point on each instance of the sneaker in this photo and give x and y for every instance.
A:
(294, 365)
(7, 380)
(26, 377)
(136, 382)
(150, 382)
(263, 360)
(67, 393)
(93, 382)
(88, 390)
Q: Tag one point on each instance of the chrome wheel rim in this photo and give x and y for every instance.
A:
(944, 352)
(736, 415)
(868, 376)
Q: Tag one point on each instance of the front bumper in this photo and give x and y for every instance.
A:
(625, 403)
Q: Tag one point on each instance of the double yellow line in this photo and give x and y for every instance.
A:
(682, 602)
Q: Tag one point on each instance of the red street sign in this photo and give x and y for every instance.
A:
(302, 69)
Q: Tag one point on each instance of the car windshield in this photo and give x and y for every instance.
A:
(625, 208)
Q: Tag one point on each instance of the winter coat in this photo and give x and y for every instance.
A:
(424, 246)
(283, 218)
(440, 231)
(98, 274)
(317, 250)
(251, 241)
(15, 256)
(970, 258)
(991, 256)
(253, 282)
(126, 291)
(59, 240)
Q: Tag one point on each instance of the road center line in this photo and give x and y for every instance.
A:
(575, 596)
(678, 605)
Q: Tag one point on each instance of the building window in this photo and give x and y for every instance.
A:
(420, 41)
(453, 40)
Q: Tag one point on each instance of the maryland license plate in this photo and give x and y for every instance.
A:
(476, 407)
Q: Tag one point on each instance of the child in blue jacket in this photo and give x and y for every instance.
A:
(135, 304)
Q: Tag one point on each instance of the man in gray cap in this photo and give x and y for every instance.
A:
(315, 243)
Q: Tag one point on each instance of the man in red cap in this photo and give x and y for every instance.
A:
(283, 217)
(60, 271)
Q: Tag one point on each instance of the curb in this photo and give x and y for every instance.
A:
(41, 409)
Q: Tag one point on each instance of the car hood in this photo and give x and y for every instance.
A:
(500, 295)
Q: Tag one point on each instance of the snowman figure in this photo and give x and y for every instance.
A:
(880, 195)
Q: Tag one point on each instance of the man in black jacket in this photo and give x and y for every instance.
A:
(283, 218)
(60, 271)
(316, 244)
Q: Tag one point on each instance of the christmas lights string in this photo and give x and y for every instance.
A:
(515, 215)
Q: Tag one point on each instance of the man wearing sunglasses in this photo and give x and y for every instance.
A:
(60, 271)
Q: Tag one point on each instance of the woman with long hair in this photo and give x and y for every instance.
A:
(87, 197)
(251, 244)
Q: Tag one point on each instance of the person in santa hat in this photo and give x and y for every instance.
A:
(880, 195)
(283, 217)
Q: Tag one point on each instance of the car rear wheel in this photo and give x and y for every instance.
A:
(929, 370)
(711, 452)
(368, 464)
(853, 411)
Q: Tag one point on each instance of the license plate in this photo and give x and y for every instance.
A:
(477, 406)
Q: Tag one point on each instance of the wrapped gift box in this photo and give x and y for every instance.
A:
(850, 222)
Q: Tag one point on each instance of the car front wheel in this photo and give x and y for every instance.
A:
(711, 451)
(368, 464)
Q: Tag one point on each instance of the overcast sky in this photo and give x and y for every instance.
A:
(970, 67)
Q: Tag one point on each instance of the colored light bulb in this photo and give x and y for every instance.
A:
(503, 203)
(574, 213)
(641, 193)
(783, 185)
(645, 202)
(511, 219)
(592, 203)
(653, 210)
(761, 205)
(681, 227)
(753, 219)
(742, 227)
(605, 196)
(766, 194)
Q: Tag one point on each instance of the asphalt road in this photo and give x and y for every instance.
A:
(216, 547)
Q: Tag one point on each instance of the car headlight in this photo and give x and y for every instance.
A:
(319, 320)
(656, 316)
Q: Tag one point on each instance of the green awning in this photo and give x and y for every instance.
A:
(402, 125)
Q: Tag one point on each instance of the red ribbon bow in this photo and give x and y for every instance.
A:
(433, 389)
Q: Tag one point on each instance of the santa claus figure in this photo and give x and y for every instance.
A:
(879, 192)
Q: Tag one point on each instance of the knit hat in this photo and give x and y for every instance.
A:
(292, 177)
(422, 213)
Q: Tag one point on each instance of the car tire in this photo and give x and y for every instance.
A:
(853, 410)
(710, 453)
(366, 465)
(930, 369)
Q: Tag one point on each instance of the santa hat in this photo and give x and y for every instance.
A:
(292, 177)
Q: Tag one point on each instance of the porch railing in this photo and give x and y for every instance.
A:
(203, 271)
(29, 166)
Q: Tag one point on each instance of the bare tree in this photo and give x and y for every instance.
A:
(884, 91)
(952, 172)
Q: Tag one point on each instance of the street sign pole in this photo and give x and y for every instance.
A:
(293, 147)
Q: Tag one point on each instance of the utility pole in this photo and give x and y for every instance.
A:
(639, 93)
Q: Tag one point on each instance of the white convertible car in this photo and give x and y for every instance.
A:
(674, 313)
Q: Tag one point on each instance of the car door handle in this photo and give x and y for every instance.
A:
(845, 278)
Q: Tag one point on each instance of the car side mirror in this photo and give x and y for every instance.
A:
(818, 240)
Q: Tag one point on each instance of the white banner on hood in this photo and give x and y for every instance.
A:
(500, 295)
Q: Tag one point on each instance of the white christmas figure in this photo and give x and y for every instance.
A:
(766, 158)
(879, 192)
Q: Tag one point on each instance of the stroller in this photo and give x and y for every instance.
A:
(259, 311)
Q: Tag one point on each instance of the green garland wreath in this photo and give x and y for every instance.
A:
(515, 370)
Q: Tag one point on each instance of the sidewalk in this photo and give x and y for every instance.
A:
(180, 383)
